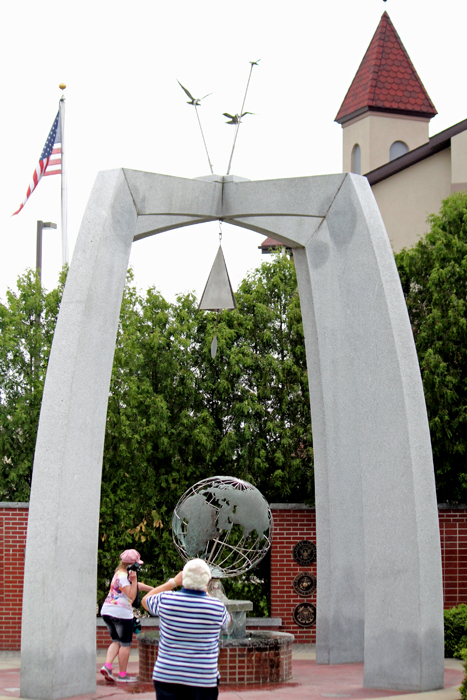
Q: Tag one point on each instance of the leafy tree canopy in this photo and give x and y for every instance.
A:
(27, 325)
(176, 416)
(434, 280)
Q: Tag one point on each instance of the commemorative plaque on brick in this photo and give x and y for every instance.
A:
(304, 553)
(304, 584)
(304, 614)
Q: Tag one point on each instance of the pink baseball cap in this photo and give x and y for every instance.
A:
(130, 556)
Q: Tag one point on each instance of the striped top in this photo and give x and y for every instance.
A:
(189, 626)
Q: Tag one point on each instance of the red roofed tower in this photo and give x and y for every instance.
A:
(387, 110)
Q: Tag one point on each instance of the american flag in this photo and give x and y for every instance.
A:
(50, 162)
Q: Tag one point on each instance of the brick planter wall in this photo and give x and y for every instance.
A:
(238, 665)
(292, 523)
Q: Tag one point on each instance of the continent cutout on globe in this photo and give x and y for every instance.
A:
(201, 523)
(245, 508)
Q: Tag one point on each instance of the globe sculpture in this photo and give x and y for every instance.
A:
(225, 521)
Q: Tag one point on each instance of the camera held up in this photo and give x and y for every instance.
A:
(133, 567)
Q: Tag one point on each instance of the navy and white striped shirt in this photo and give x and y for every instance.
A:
(190, 622)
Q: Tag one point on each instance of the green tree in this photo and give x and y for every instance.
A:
(434, 280)
(27, 324)
(176, 416)
(158, 436)
(259, 387)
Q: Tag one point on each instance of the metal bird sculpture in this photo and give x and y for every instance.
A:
(196, 102)
(236, 119)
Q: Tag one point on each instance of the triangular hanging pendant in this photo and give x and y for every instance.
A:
(218, 292)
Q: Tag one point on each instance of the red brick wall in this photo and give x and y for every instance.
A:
(453, 533)
(291, 524)
(13, 526)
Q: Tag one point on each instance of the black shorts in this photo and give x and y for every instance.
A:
(121, 630)
(178, 691)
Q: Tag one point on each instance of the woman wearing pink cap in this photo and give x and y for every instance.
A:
(117, 613)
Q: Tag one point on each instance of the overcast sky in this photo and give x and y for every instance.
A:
(124, 108)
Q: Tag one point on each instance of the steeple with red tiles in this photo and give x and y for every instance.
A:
(386, 80)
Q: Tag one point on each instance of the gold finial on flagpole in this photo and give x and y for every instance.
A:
(62, 86)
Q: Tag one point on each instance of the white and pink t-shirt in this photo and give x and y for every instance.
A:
(117, 603)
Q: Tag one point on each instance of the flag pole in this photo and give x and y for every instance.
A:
(62, 86)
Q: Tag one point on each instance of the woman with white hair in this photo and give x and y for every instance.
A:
(190, 622)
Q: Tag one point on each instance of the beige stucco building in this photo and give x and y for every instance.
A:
(385, 120)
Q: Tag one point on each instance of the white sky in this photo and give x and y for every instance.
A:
(121, 62)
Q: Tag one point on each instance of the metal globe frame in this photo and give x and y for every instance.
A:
(226, 559)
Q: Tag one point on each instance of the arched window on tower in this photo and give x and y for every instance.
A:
(356, 160)
(397, 149)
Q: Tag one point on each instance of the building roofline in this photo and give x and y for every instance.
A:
(435, 144)
(386, 79)
(383, 110)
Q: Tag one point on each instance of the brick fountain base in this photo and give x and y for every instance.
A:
(260, 657)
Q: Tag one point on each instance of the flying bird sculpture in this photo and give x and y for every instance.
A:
(235, 118)
(196, 102)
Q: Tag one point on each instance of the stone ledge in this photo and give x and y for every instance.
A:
(250, 622)
(258, 639)
(263, 622)
(290, 506)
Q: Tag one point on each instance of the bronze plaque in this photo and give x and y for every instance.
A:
(305, 614)
(304, 584)
(304, 553)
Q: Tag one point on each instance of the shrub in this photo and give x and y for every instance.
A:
(463, 687)
(455, 631)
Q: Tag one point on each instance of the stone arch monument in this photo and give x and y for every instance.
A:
(379, 564)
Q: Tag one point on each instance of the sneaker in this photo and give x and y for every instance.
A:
(107, 673)
(126, 679)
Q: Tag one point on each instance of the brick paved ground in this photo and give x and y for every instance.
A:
(309, 682)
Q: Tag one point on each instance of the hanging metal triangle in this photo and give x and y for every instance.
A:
(218, 292)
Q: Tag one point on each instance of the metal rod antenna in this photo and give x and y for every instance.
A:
(252, 65)
(64, 188)
(204, 140)
(194, 102)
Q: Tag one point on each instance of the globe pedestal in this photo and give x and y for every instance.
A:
(238, 610)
